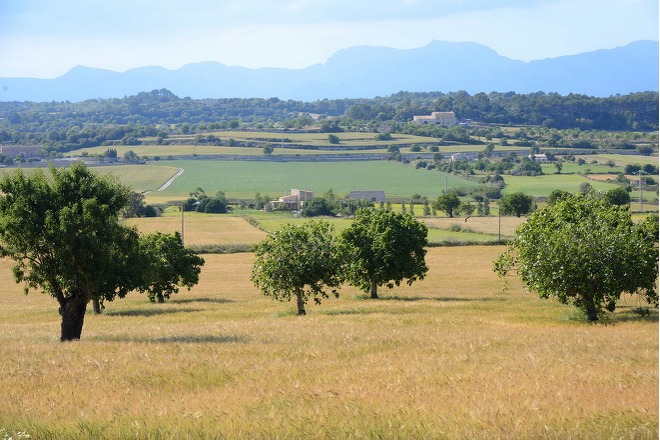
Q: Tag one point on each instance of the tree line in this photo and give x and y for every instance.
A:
(580, 249)
(63, 126)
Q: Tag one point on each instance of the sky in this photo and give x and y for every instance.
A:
(47, 38)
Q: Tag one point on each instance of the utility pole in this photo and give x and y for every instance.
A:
(182, 242)
(639, 173)
(499, 222)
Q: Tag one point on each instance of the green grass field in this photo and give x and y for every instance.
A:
(452, 356)
(242, 179)
(140, 178)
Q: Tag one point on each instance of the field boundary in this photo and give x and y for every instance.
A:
(170, 180)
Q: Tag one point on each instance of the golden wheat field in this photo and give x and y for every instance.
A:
(203, 229)
(452, 356)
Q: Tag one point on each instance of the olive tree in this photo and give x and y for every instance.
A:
(384, 248)
(299, 261)
(585, 251)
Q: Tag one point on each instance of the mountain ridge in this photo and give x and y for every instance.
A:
(365, 72)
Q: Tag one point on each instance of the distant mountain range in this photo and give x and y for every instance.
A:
(366, 72)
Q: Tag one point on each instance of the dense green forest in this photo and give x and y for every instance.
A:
(63, 126)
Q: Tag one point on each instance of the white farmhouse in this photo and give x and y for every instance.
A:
(541, 158)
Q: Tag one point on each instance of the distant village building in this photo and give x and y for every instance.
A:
(14, 151)
(436, 118)
(371, 196)
(293, 201)
(470, 157)
(541, 158)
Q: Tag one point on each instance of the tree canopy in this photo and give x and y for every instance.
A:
(384, 248)
(300, 261)
(618, 196)
(447, 202)
(169, 265)
(585, 251)
(517, 204)
(319, 206)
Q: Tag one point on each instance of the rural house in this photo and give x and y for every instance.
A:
(293, 201)
(541, 158)
(470, 157)
(436, 118)
(14, 151)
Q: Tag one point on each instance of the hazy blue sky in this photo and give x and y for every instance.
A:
(46, 38)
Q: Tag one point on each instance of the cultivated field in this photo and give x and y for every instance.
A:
(242, 180)
(452, 356)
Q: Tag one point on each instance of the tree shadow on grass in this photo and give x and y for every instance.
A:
(149, 312)
(350, 312)
(632, 314)
(179, 339)
(201, 300)
(429, 298)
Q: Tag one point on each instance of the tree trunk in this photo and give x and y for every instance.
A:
(97, 306)
(590, 308)
(301, 304)
(73, 316)
(374, 290)
(160, 298)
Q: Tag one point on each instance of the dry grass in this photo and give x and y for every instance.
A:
(203, 230)
(452, 356)
(486, 225)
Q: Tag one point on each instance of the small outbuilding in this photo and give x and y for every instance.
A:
(371, 196)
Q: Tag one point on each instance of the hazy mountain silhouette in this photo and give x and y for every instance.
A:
(365, 72)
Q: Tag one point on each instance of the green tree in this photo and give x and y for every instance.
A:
(646, 150)
(217, 204)
(516, 204)
(168, 265)
(299, 261)
(333, 139)
(64, 235)
(467, 209)
(556, 195)
(617, 196)
(131, 157)
(447, 202)
(318, 206)
(384, 248)
(268, 149)
(585, 251)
